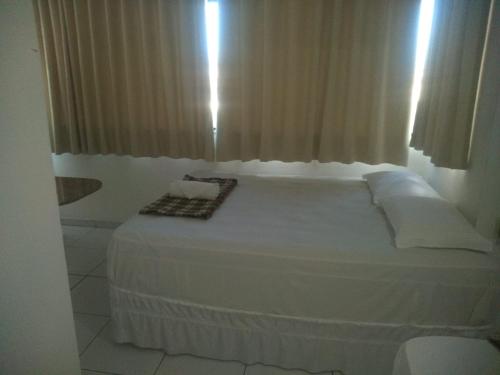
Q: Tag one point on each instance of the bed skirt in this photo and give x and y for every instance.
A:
(314, 345)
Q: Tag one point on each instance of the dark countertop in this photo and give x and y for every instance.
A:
(71, 189)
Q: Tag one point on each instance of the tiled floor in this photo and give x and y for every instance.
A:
(86, 259)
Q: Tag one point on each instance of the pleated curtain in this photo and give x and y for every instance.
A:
(326, 80)
(444, 119)
(127, 76)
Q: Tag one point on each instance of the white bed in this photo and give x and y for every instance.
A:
(293, 272)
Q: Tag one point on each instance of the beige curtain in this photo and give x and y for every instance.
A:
(327, 79)
(443, 123)
(127, 76)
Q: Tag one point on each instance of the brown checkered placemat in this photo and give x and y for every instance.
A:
(197, 208)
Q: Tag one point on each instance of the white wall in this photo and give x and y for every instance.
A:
(130, 183)
(36, 323)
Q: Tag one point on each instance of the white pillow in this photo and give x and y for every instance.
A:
(193, 189)
(430, 222)
(386, 184)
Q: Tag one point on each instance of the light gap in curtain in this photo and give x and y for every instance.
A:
(423, 37)
(212, 32)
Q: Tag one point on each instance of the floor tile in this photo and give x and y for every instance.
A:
(71, 234)
(100, 271)
(91, 296)
(96, 238)
(189, 365)
(271, 370)
(104, 355)
(87, 327)
(82, 260)
(74, 279)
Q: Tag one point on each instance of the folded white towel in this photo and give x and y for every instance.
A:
(193, 189)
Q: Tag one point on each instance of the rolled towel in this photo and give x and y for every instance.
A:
(194, 189)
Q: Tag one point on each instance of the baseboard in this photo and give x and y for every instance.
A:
(90, 223)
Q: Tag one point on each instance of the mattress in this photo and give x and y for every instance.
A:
(295, 272)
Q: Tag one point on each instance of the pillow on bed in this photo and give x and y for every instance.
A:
(394, 183)
(430, 222)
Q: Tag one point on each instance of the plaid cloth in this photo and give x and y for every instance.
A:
(197, 208)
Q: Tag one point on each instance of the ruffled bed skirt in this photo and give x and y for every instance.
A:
(314, 345)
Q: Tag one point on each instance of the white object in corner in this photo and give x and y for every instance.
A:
(194, 189)
(447, 356)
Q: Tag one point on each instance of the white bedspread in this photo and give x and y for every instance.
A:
(298, 259)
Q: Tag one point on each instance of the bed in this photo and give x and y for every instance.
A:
(293, 272)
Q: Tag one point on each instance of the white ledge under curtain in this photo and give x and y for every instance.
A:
(127, 77)
(303, 80)
(444, 120)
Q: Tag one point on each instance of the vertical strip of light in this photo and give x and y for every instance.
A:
(423, 36)
(212, 29)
